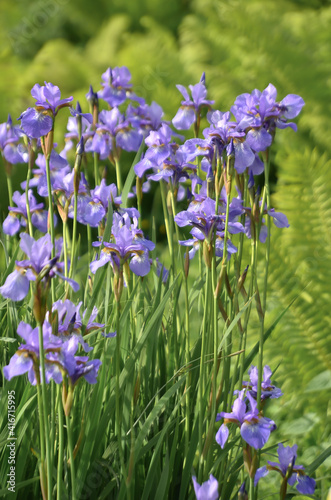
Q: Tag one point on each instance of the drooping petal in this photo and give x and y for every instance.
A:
(222, 435)
(140, 264)
(259, 139)
(11, 225)
(244, 156)
(35, 123)
(16, 286)
(261, 472)
(184, 118)
(104, 259)
(306, 485)
(19, 364)
(280, 220)
(94, 213)
(256, 434)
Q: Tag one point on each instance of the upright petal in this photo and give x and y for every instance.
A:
(208, 490)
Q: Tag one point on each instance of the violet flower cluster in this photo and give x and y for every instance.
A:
(38, 267)
(199, 169)
(60, 354)
(127, 245)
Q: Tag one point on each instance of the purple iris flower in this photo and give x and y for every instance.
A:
(69, 321)
(16, 286)
(78, 114)
(18, 215)
(207, 490)
(78, 125)
(254, 429)
(64, 188)
(113, 129)
(228, 135)
(63, 362)
(279, 219)
(160, 269)
(116, 87)
(287, 457)
(37, 122)
(12, 150)
(127, 244)
(85, 368)
(260, 114)
(190, 108)
(268, 390)
(158, 143)
(60, 357)
(145, 118)
(96, 206)
(26, 359)
(57, 164)
(206, 225)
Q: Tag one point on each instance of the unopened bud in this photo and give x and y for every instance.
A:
(242, 279)
(242, 493)
(118, 285)
(139, 191)
(207, 253)
(49, 143)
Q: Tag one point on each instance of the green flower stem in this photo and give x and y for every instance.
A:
(202, 374)
(89, 243)
(72, 460)
(61, 445)
(50, 217)
(77, 170)
(283, 489)
(251, 489)
(44, 410)
(242, 235)
(215, 343)
(118, 422)
(28, 212)
(96, 168)
(265, 284)
(42, 438)
(167, 225)
(118, 175)
(65, 249)
(10, 190)
(74, 235)
(187, 329)
(52, 423)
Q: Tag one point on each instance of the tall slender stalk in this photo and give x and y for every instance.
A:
(118, 423)
(202, 373)
(96, 169)
(44, 409)
(118, 175)
(50, 217)
(28, 177)
(61, 445)
(72, 460)
(265, 283)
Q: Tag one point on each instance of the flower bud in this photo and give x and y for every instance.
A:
(207, 253)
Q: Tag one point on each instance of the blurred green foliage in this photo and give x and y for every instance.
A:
(241, 45)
